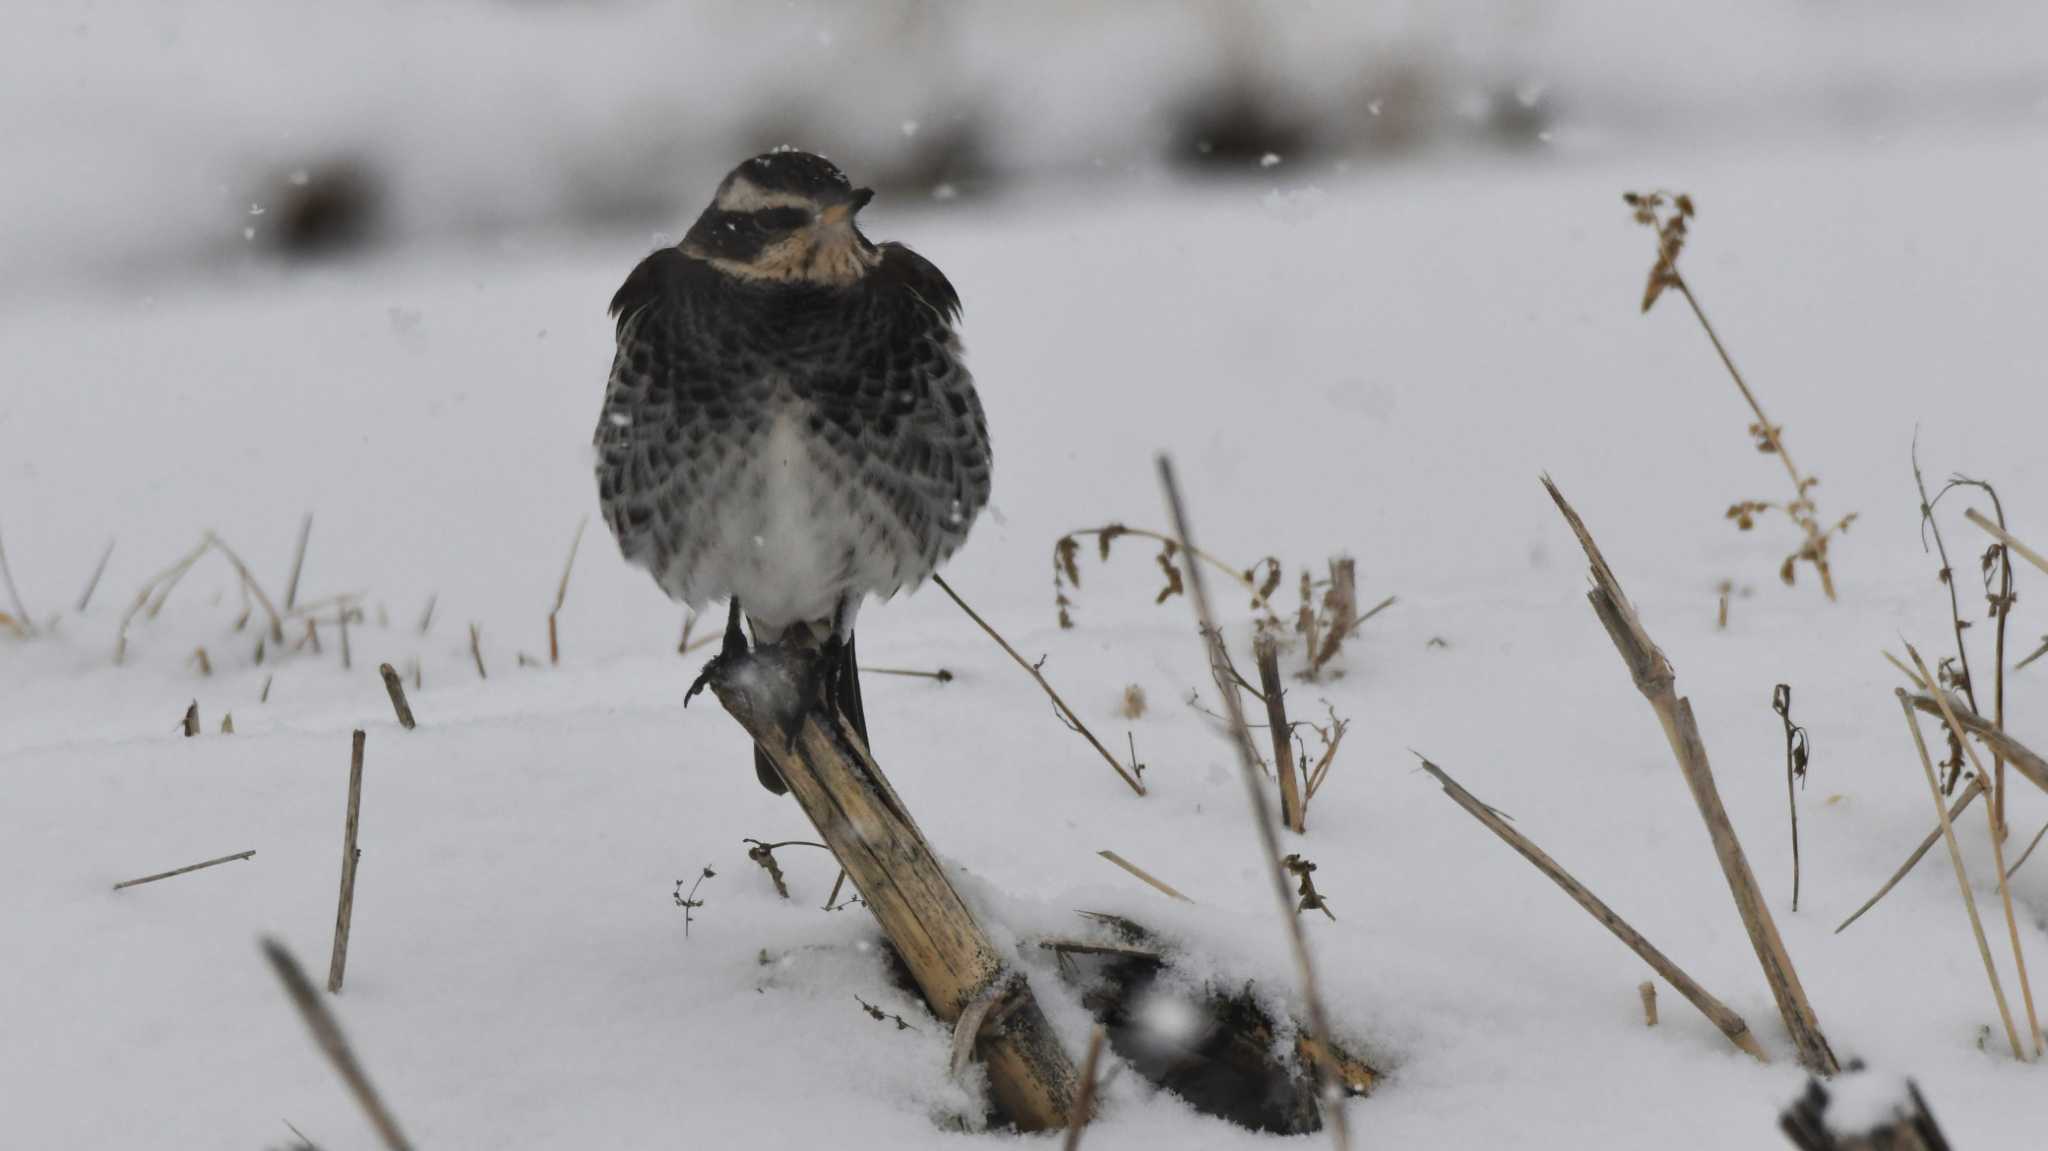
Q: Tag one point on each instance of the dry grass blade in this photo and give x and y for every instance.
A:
(99, 569)
(476, 650)
(1718, 1013)
(291, 583)
(1146, 877)
(1955, 855)
(1072, 720)
(2012, 926)
(21, 619)
(1329, 1076)
(1084, 1100)
(1656, 681)
(333, 1044)
(2005, 537)
(562, 592)
(2024, 855)
(1971, 791)
(182, 870)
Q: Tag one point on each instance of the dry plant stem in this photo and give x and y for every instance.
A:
(1971, 791)
(942, 675)
(28, 626)
(99, 569)
(1717, 1012)
(562, 592)
(2005, 537)
(861, 818)
(1648, 992)
(1293, 809)
(1084, 1102)
(1145, 877)
(333, 1044)
(345, 909)
(1654, 677)
(1955, 855)
(2023, 758)
(291, 583)
(183, 870)
(1329, 1076)
(1236, 575)
(2012, 926)
(396, 690)
(476, 651)
(427, 615)
(1072, 719)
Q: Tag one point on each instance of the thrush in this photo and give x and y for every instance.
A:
(789, 425)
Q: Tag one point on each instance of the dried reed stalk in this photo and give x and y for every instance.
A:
(333, 1044)
(2012, 927)
(182, 870)
(1955, 855)
(396, 690)
(2005, 537)
(1718, 1013)
(1648, 992)
(1329, 1075)
(1146, 877)
(344, 912)
(1655, 679)
(562, 592)
(476, 651)
(1072, 720)
(1293, 808)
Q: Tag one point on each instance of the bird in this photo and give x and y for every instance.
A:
(789, 424)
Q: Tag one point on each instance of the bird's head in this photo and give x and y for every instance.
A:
(785, 216)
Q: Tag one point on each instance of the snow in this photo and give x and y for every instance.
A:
(1382, 370)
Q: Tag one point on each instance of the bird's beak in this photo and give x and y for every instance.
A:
(841, 212)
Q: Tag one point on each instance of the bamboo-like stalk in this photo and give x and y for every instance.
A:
(1266, 654)
(344, 911)
(1955, 855)
(333, 1044)
(1145, 877)
(182, 870)
(2012, 927)
(861, 818)
(1329, 1075)
(1656, 681)
(1067, 713)
(1718, 1013)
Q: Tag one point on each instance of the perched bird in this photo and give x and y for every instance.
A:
(789, 424)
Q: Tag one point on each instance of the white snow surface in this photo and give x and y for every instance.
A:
(1382, 369)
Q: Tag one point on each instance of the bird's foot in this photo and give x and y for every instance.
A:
(730, 653)
(820, 689)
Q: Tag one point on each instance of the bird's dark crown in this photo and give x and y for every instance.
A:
(793, 172)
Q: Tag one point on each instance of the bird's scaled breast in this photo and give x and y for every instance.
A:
(787, 525)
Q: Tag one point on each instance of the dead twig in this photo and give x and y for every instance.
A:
(1293, 808)
(942, 675)
(1084, 1098)
(764, 854)
(1146, 877)
(690, 903)
(1259, 580)
(1718, 1013)
(396, 690)
(1955, 855)
(1656, 680)
(182, 870)
(345, 908)
(1072, 720)
(1329, 1076)
(476, 651)
(333, 1044)
(427, 615)
(1796, 753)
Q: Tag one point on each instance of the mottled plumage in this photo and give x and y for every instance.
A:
(788, 419)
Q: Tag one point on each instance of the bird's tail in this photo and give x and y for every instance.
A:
(845, 670)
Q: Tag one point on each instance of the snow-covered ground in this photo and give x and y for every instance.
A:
(1373, 365)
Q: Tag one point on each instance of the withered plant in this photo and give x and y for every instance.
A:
(1260, 580)
(1670, 217)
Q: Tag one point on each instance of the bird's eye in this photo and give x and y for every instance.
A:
(781, 219)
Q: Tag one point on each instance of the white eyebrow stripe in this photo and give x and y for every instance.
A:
(743, 195)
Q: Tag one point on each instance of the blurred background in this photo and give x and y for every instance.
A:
(147, 141)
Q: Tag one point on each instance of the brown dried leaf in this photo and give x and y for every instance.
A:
(1063, 559)
(1107, 536)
